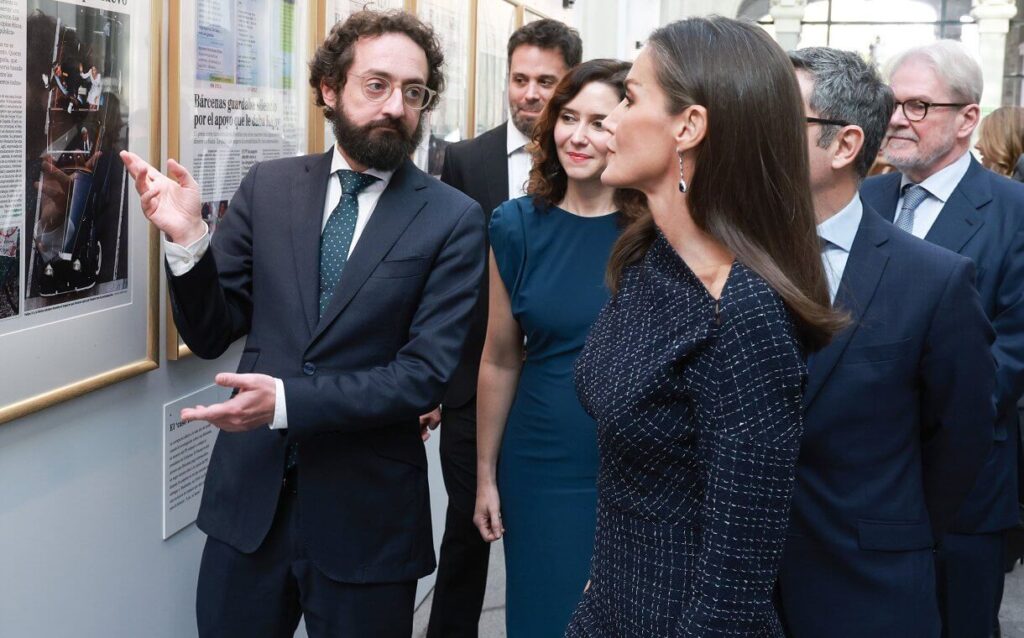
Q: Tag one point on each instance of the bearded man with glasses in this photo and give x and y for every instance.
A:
(942, 194)
(353, 276)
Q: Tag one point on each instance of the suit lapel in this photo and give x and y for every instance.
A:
(960, 218)
(860, 280)
(882, 195)
(495, 164)
(309, 192)
(401, 201)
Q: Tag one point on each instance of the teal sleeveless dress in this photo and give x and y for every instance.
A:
(552, 263)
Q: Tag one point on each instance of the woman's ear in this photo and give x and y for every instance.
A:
(690, 127)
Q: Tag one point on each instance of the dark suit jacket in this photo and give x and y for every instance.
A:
(898, 423)
(984, 220)
(479, 168)
(356, 380)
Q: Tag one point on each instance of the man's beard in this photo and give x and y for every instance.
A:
(919, 160)
(524, 122)
(384, 149)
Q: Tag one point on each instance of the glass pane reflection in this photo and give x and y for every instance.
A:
(495, 23)
(447, 124)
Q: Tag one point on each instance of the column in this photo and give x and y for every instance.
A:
(993, 19)
(787, 15)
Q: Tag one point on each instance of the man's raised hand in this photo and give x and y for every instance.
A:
(172, 203)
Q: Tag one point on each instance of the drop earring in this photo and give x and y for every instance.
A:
(682, 180)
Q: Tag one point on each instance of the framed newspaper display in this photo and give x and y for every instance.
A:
(79, 302)
(448, 121)
(237, 72)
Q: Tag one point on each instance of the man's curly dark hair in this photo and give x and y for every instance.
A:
(334, 57)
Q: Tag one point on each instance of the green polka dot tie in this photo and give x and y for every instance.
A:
(337, 236)
(334, 245)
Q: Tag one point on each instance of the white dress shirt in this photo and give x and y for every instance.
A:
(838, 233)
(519, 161)
(182, 259)
(939, 186)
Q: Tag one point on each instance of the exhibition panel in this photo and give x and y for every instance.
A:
(78, 271)
(237, 96)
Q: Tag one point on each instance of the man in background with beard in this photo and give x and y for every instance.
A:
(353, 276)
(490, 168)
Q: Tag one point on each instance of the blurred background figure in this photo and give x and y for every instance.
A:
(1001, 141)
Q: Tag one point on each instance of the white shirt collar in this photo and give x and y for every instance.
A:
(338, 162)
(841, 228)
(514, 140)
(941, 184)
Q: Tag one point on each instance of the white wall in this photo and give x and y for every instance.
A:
(81, 554)
(611, 28)
(80, 515)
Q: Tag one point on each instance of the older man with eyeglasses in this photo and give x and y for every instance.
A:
(945, 196)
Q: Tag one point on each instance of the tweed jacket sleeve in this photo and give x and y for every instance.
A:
(748, 436)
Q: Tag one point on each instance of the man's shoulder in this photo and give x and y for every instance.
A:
(481, 144)
(1004, 188)
(997, 198)
(442, 197)
(922, 265)
(879, 182)
(911, 257)
(290, 165)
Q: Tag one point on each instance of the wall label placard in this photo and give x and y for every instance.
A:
(187, 449)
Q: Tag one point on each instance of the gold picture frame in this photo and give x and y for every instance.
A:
(145, 274)
(314, 124)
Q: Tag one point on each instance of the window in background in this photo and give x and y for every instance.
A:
(447, 124)
(496, 20)
(877, 29)
(531, 16)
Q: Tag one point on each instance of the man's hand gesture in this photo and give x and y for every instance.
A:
(251, 408)
(172, 203)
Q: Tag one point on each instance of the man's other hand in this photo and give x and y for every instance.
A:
(251, 408)
(429, 421)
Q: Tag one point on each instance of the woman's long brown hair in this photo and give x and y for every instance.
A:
(1002, 138)
(751, 187)
(548, 181)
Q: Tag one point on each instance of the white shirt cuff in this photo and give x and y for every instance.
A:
(280, 409)
(182, 259)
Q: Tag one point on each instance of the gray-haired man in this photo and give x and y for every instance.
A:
(945, 196)
(897, 408)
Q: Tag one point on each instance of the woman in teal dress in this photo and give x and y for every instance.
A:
(549, 255)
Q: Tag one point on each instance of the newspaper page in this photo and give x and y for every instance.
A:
(64, 116)
(244, 98)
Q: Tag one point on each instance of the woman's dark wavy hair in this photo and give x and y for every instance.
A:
(548, 181)
(750, 188)
(334, 57)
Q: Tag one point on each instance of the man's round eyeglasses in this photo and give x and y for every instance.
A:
(378, 89)
(917, 110)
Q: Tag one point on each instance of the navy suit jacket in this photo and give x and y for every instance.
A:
(355, 379)
(898, 423)
(479, 168)
(984, 220)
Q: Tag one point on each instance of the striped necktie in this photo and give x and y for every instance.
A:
(913, 195)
